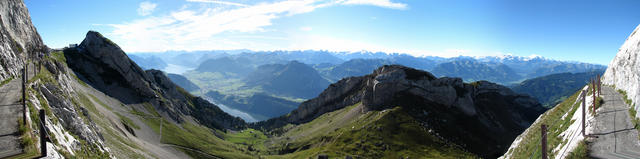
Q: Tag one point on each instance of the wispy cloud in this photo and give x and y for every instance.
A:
(379, 3)
(146, 8)
(193, 29)
(220, 2)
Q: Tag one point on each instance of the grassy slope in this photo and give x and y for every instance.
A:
(195, 137)
(375, 134)
(529, 146)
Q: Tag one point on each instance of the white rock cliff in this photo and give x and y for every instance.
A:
(624, 71)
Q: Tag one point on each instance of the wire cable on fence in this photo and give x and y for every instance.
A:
(555, 122)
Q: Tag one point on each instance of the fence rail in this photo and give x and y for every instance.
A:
(595, 87)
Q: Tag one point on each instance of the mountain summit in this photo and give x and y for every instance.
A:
(102, 64)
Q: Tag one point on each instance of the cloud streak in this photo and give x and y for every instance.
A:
(201, 29)
(379, 3)
(220, 2)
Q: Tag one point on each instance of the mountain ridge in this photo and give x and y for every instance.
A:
(425, 97)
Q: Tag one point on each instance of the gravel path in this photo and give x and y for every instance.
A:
(616, 136)
(10, 112)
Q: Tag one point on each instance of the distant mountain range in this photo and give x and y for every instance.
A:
(553, 89)
(474, 70)
(299, 75)
(150, 62)
(294, 79)
(506, 69)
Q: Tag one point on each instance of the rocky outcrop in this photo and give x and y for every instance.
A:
(66, 111)
(18, 38)
(623, 72)
(103, 65)
(471, 115)
(108, 68)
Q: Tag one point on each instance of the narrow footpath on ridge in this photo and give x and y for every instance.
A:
(616, 135)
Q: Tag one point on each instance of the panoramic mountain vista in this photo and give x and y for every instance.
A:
(461, 114)
(307, 79)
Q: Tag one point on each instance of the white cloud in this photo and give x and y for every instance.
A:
(379, 3)
(200, 29)
(220, 2)
(306, 28)
(146, 8)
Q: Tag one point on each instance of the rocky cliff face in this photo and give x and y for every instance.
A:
(18, 38)
(623, 71)
(471, 115)
(103, 65)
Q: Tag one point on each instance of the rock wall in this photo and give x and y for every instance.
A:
(624, 71)
(18, 38)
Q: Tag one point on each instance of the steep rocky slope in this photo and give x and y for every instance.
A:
(471, 115)
(100, 104)
(18, 38)
(623, 72)
(103, 65)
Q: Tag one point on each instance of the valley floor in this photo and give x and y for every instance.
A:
(617, 137)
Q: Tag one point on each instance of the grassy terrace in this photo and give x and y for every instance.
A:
(530, 144)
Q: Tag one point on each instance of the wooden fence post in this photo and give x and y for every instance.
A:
(43, 134)
(594, 97)
(543, 131)
(584, 94)
(599, 85)
(24, 97)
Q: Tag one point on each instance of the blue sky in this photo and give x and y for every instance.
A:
(586, 30)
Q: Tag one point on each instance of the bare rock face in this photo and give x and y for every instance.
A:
(65, 110)
(18, 38)
(623, 72)
(100, 57)
(471, 115)
(102, 64)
